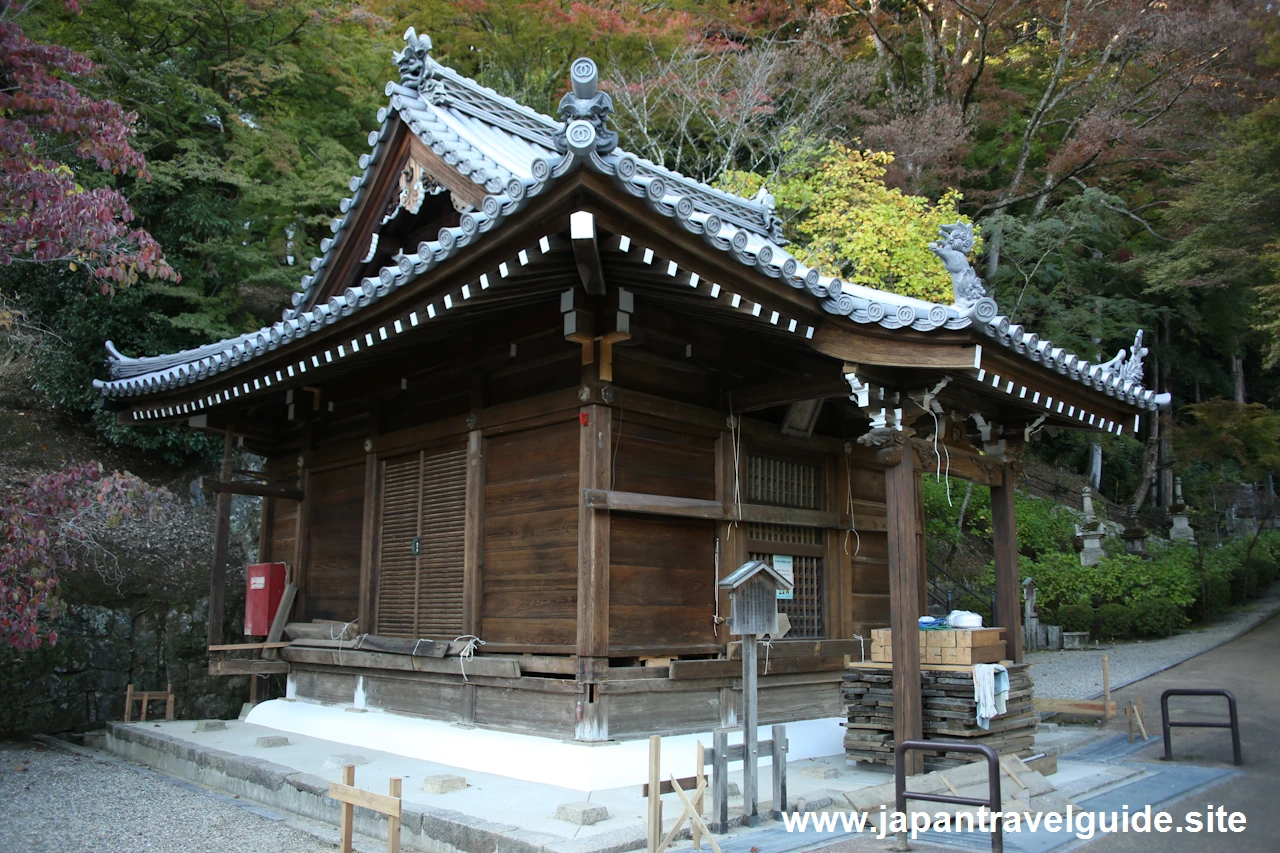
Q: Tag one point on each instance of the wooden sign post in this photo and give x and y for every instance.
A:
(753, 598)
(350, 796)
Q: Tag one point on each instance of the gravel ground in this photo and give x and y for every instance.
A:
(1078, 675)
(53, 801)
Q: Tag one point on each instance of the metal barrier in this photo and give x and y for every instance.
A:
(993, 780)
(1234, 724)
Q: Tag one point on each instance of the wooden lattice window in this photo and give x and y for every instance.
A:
(782, 482)
(420, 576)
(804, 546)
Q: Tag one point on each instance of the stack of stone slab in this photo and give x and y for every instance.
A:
(1022, 789)
(949, 713)
(946, 646)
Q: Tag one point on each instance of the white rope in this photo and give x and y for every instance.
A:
(862, 642)
(468, 651)
(848, 480)
(768, 644)
(937, 428)
(715, 592)
(342, 632)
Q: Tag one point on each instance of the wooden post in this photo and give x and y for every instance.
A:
(128, 703)
(701, 785)
(221, 537)
(905, 605)
(393, 820)
(750, 749)
(368, 541)
(1004, 535)
(655, 793)
(168, 706)
(594, 472)
(779, 768)
(720, 782)
(347, 819)
(1106, 687)
(473, 537)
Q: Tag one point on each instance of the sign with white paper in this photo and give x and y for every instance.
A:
(785, 566)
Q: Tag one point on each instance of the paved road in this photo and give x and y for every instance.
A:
(1250, 668)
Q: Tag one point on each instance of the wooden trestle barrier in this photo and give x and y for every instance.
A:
(350, 796)
(718, 758)
(131, 696)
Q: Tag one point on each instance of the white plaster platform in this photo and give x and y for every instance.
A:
(529, 758)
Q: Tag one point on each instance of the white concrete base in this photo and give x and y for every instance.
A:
(581, 767)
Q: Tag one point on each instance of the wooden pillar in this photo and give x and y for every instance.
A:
(905, 605)
(1004, 536)
(369, 540)
(221, 537)
(750, 746)
(473, 537)
(594, 472)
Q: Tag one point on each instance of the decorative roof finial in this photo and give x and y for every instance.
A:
(769, 215)
(412, 61)
(953, 247)
(583, 111)
(1131, 370)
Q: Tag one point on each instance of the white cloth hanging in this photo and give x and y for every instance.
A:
(990, 691)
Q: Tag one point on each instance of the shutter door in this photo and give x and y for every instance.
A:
(423, 502)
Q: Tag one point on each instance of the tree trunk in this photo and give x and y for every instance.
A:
(1237, 377)
(1095, 467)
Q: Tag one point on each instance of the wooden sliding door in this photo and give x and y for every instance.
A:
(422, 543)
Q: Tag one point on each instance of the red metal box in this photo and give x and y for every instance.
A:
(264, 585)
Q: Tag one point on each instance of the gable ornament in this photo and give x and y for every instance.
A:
(952, 247)
(584, 110)
(412, 61)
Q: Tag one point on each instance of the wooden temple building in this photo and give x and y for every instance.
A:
(541, 392)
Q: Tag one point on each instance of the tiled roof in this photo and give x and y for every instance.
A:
(514, 153)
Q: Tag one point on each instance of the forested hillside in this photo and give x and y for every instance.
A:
(171, 166)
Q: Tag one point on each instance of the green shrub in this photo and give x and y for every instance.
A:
(1115, 620)
(1156, 616)
(1076, 617)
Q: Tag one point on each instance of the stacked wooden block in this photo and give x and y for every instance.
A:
(948, 713)
(946, 646)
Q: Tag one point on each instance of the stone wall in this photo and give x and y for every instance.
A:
(79, 684)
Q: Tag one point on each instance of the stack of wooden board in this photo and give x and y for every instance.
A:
(948, 713)
(946, 646)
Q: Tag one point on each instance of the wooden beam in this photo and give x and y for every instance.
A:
(785, 391)
(473, 535)
(463, 187)
(221, 546)
(652, 504)
(905, 606)
(219, 666)
(1004, 536)
(898, 350)
(260, 490)
(586, 252)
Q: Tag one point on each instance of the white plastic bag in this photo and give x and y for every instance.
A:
(964, 619)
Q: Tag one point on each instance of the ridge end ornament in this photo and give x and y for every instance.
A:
(954, 243)
(412, 61)
(585, 103)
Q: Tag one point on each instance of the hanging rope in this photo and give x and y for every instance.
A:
(767, 642)
(715, 592)
(468, 651)
(848, 480)
(937, 429)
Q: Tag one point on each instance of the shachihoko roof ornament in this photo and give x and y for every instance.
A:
(514, 153)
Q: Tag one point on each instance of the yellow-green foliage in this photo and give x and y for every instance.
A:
(848, 222)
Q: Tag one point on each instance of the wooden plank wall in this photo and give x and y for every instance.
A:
(530, 579)
(662, 572)
(332, 570)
